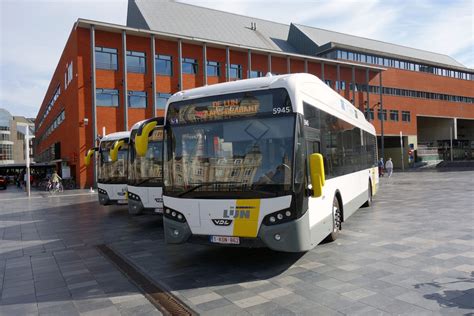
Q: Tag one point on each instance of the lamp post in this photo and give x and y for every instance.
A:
(381, 118)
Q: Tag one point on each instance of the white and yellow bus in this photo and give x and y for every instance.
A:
(280, 161)
(112, 168)
(145, 173)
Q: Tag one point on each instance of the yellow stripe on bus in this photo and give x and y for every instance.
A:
(246, 221)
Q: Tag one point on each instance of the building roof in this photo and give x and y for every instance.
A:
(203, 23)
(322, 37)
(213, 25)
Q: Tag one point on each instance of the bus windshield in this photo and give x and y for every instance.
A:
(148, 170)
(112, 171)
(251, 156)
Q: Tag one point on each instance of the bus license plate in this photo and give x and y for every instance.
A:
(122, 201)
(225, 240)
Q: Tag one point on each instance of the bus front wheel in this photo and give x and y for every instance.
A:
(336, 220)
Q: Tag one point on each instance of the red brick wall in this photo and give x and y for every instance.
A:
(76, 138)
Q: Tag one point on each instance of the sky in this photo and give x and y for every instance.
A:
(33, 32)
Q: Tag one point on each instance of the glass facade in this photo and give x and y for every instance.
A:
(164, 65)
(190, 66)
(397, 63)
(162, 99)
(235, 71)
(107, 97)
(50, 105)
(136, 62)
(137, 99)
(213, 68)
(106, 58)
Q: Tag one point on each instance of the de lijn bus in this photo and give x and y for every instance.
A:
(112, 167)
(145, 173)
(280, 161)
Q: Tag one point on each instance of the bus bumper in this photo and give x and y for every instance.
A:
(135, 207)
(294, 236)
(104, 198)
(176, 232)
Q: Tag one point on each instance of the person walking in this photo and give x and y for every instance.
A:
(381, 167)
(389, 167)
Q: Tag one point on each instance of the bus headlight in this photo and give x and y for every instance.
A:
(133, 196)
(174, 215)
(279, 217)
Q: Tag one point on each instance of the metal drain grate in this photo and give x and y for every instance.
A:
(164, 301)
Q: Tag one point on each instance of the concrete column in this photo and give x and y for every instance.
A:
(338, 78)
(125, 85)
(227, 62)
(288, 65)
(269, 63)
(249, 61)
(306, 65)
(180, 65)
(367, 91)
(153, 74)
(455, 127)
(93, 98)
(204, 63)
(353, 85)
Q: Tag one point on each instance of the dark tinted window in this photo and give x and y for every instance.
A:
(345, 148)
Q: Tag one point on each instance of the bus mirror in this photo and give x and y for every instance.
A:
(316, 167)
(141, 141)
(114, 152)
(89, 155)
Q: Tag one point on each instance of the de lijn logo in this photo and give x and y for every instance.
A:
(242, 212)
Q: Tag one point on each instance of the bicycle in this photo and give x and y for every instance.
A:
(54, 188)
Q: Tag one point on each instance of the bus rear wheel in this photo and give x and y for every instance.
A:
(368, 203)
(336, 220)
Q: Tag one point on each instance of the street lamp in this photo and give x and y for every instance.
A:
(381, 118)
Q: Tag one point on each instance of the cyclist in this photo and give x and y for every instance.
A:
(55, 179)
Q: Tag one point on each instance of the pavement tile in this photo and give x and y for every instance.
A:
(251, 301)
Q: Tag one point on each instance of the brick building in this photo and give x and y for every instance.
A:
(168, 46)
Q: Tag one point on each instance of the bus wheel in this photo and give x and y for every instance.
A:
(368, 203)
(336, 220)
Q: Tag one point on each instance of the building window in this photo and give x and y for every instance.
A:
(394, 115)
(406, 116)
(382, 115)
(136, 62)
(190, 66)
(6, 152)
(106, 58)
(68, 75)
(340, 85)
(137, 99)
(256, 74)
(327, 82)
(162, 99)
(213, 68)
(107, 97)
(235, 71)
(164, 65)
(369, 115)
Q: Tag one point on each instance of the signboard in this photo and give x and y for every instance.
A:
(243, 104)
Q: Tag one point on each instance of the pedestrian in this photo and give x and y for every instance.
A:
(381, 164)
(389, 167)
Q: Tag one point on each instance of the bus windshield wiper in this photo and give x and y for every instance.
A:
(199, 185)
(144, 181)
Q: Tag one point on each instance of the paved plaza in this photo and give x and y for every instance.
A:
(411, 253)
